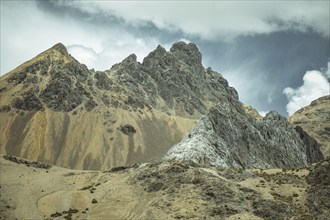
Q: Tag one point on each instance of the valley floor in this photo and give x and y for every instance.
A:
(162, 190)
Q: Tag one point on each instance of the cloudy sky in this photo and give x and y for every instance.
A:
(275, 53)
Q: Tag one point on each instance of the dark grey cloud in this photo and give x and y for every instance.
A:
(261, 66)
(107, 21)
(59, 9)
(210, 20)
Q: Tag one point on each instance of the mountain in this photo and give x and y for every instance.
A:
(167, 190)
(315, 120)
(54, 109)
(114, 127)
(230, 136)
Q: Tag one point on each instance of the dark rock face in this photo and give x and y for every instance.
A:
(128, 129)
(27, 163)
(315, 120)
(5, 108)
(102, 81)
(65, 83)
(90, 104)
(28, 102)
(177, 77)
(18, 78)
(271, 210)
(229, 137)
(189, 53)
(319, 192)
(61, 94)
(313, 154)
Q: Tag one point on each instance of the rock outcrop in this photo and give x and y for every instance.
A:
(319, 191)
(229, 136)
(56, 110)
(315, 120)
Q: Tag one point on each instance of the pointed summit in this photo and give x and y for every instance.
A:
(188, 52)
(160, 49)
(60, 48)
(182, 46)
(131, 58)
(155, 56)
(56, 52)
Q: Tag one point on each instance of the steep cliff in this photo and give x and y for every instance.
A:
(230, 136)
(315, 120)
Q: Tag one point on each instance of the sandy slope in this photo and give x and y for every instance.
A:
(90, 140)
(33, 193)
(167, 190)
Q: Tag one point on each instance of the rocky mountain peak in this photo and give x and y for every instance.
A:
(129, 64)
(52, 79)
(57, 53)
(179, 52)
(252, 112)
(131, 58)
(274, 117)
(169, 86)
(160, 49)
(188, 52)
(60, 48)
(155, 56)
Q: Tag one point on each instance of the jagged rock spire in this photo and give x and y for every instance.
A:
(188, 52)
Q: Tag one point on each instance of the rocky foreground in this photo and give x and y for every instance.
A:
(163, 190)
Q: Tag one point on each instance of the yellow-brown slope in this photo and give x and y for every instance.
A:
(161, 191)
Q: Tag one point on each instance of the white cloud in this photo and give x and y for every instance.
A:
(116, 50)
(113, 51)
(315, 85)
(270, 97)
(24, 36)
(213, 19)
(263, 113)
(169, 45)
(83, 54)
(26, 30)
